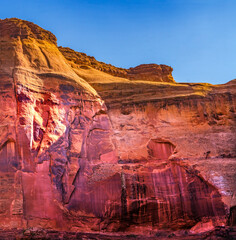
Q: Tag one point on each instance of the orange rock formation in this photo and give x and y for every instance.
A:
(148, 72)
(86, 146)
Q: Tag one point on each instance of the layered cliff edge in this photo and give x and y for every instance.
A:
(86, 146)
(148, 72)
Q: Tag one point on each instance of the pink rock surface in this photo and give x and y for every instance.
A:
(137, 157)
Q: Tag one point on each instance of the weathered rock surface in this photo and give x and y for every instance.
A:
(52, 124)
(83, 148)
(148, 72)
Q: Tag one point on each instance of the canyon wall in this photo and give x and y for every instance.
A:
(185, 126)
(82, 149)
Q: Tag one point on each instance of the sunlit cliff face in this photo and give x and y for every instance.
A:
(83, 150)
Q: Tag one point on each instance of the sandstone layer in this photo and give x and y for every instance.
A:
(148, 72)
(86, 146)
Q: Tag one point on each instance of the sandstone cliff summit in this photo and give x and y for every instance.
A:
(86, 146)
(149, 72)
(14, 28)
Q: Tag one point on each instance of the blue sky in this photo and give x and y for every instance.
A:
(196, 37)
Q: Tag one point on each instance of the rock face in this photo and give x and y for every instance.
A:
(52, 124)
(148, 72)
(84, 148)
(15, 28)
(151, 72)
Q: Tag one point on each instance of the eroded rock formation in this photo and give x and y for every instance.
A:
(148, 72)
(84, 148)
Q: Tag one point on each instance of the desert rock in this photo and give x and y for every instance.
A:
(86, 146)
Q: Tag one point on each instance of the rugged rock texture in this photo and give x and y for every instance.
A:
(148, 72)
(14, 28)
(52, 124)
(151, 72)
(156, 155)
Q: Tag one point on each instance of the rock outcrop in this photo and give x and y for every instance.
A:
(151, 72)
(52, 124)
(14, 28)
(86, 146)
(148, 72)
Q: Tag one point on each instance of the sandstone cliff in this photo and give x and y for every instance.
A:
(86, 146)
(149, 72)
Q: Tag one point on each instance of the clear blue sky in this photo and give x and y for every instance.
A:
(196, 37)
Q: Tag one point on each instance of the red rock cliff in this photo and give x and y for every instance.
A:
(140, 156)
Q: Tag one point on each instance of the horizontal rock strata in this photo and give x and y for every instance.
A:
(86, 146)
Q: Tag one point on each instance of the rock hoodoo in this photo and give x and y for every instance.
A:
(86, 146)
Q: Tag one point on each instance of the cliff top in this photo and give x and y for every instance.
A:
(17, 28)
(14, 27)
(148, 72)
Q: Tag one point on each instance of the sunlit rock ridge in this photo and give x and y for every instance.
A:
(88, 147)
